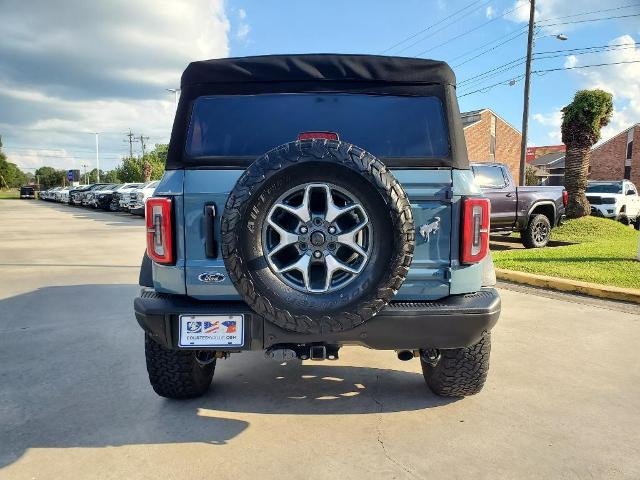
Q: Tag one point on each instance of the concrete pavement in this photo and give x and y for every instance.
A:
(562, 399)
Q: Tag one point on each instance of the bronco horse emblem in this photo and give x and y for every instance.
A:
(427, 229)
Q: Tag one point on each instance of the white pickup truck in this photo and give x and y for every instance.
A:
(615, 199)
(138, 196)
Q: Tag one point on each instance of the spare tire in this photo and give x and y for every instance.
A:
(317, 236)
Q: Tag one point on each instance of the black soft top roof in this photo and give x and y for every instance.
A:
(318, 68)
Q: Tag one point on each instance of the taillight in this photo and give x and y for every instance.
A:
(321, 135)
(565, 198)
(475, 229)
(159, 230)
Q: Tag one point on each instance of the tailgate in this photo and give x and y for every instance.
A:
(428, 191)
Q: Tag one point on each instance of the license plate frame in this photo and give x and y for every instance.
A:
(210, 331)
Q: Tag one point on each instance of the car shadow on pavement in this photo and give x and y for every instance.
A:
(116, 219)
(73, 375)
(250, 383)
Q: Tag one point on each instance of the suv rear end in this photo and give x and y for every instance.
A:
(312, 202)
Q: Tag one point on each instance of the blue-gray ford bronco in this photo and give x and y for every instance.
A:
(311, 202)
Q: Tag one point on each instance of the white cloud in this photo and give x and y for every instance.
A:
(550, 9)
(85, 66)
(519, 11)
(490, 12)
(571, 61)
(553, 121)
(622, 80)
(242, 32)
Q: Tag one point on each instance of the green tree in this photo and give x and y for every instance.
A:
(530, 176)
(582, 121)
(50, 177)
(10, 175)
(132, 169)
(93, 176)
(111, 176)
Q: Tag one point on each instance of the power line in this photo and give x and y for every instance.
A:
(567, 50)
(484, 24)
(590, 13)
(491, 49)
(590, 20)
(516, 34)
(436, 31)
(585, 66)
(476, 79)
(519, 77)
(429, 27)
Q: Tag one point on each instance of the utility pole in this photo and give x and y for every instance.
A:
(142, 139)
(97, 159)
(131, 140)
(527, 80)
(146, 166)
(86, 179)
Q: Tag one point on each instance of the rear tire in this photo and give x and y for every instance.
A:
(176, 373)
(537, 233)
(461, 371)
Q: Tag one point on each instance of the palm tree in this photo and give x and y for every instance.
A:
(582, 120)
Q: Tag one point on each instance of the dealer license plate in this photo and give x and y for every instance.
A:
(211, 331)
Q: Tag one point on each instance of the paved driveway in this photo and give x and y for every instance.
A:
(562, 399)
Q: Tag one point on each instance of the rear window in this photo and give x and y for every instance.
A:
(489, 176)
(614, 187)
(387, 126)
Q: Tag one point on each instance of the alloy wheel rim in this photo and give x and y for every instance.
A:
(317, 238)
(540, 232)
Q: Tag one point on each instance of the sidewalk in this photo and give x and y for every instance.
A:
(566, 285)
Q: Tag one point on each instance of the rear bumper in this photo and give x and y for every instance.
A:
(452, 322)
(137, 210)
(606, 211)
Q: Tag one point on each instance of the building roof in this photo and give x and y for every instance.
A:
(548, 160)
(469, 118)
(316, 68)
(615, 136)
(474, 116)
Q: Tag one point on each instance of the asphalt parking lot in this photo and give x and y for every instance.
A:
(562, 399)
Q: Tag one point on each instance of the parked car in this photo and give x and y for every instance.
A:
(138, 197)
(75, 194)
(27, 191)
(292, 233)
(618, 200)
(532, 211)
(50, 194)
(105, 197)
(86, 195)
(62, 195)
(91, 199)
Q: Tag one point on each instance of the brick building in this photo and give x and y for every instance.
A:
(491, 139)
(618, 158)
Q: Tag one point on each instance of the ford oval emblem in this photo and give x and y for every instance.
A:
(211, 277)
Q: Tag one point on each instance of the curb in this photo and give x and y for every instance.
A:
(565, 285)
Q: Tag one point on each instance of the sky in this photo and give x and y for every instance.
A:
(70, 68)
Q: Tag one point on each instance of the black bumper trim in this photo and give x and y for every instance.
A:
(452, 322)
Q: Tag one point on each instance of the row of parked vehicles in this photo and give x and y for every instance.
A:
(114, 197)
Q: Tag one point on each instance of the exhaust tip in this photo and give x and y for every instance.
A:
(405, 355)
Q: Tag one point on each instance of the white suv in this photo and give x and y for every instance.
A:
(615, 199)
(139, 196)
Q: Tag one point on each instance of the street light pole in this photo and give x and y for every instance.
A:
(527, 80)
(97, 158)
(175, 95)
